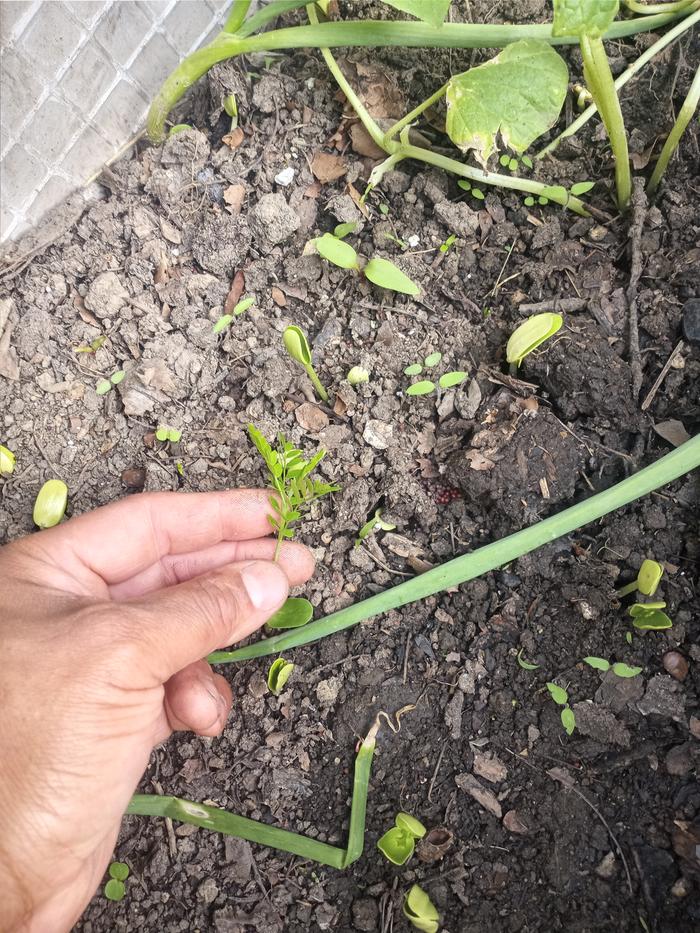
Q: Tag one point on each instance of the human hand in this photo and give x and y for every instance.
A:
(104, 622)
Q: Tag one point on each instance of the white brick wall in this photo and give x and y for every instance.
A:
(76, 78)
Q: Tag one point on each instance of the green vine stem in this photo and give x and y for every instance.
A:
(230, 824)
(413, 115)
(370, 33)
(468, 566)
(685, 115)
(598, 77)
(630, 72)
(649, 9)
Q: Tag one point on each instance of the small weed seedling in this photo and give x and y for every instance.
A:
(647, 581)
(561, 698)
(399, 842)
(333, 248)
(231, 109)
(50, 503)
(426, 386)
(420, 910)
(166, 434)
(376, 523)
(293, 489)
(445, 247)
(296, 611)
(105, 385)
(618, 668)
(179, 128)
(7, 461)
(526, 665)
(648, 617)
(115, 889)
(297, 346)
(278, 675)
(530, 335)
(93, 346)
(357, 376)
(467, 186)
(225, 319)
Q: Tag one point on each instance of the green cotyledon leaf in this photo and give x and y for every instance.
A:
(518, 94)
(583, 17)
(432, 12)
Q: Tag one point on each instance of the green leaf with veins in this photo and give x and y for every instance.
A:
(518, 94)
(583, 17)
(336, 251)
(600, 664)
(568, 720)
(559, 695)
(432, 12)
(385, 274)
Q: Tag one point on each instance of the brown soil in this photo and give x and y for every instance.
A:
(151, 264)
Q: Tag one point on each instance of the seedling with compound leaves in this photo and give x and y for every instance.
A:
(426, 386)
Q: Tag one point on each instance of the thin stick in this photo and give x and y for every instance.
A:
(639, 213)
(662, 375)
(435, 772)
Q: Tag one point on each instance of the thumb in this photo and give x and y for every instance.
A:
(181, 624)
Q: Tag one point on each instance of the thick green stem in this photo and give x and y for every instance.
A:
(311, 373)
(235, 19)
(596, 70)
(365, 33)
(626, 76)
(685, 115)
(410, 117)
(461, 569)
(358, 807)
(649, 9)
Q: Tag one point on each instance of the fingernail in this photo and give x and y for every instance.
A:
(265, 584)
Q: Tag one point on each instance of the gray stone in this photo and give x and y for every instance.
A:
(458, 217)
(691, 320)
(662, 698)
(599, 723)
(365, 914)
(617, 692)
(106, 295)
(678, 761)
(272, 220)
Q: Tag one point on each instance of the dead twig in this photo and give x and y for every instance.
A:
(662, 375)
(172, 842)
(435, 772)
(639, 213)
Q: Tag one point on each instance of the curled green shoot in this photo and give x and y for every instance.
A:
(297, 346)
(685, 115)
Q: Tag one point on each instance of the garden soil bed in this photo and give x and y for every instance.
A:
(593, 832)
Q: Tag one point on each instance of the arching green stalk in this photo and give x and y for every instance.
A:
(685, 115)
(461, 569)
(369, 33)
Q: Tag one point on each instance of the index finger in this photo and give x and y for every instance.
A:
(118, 540)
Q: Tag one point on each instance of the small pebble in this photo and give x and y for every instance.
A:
(285, 177)
(691, 320)
(134, 478)
(676, 665)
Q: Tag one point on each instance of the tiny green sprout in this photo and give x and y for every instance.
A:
(420, 910)
(581, 187)
(526, 160)
(114, 890)
(505, 160)
(399, 842)
(568, 720)
(647, 581)
(93, 346)
(385, 274)
(624, 670)
(425, 387)
(225, 320)
(222, 323)
(513, 165)
(384, 208)
(298, 348)
(478, 194)
(119, 871)
(50, 503)
(529, 201)
(464, 184)
(648, 617)
(415, 369)
(600, 664)
(357, 376)
(336, 251)
(526, 665)
(179, 128)
(296, 612)
(558, 694)
(395, 239)
(542, 200)
(231, 108)
(432, 359)
(289, 475)
(376, 523)
(278, 675)
(455, 378)
(7, 461)
(180, 468)
(165, 433)
(444, 247)
(531, 334)
(104, 385)
(628, 637)
(342, 230)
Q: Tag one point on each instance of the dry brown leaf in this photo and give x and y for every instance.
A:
(161, 275)
(672, 431)
(363, 144)
(339, 406)
(234, 139)
(233, 196)
(313, 190)
(170, 232)
(477, 461)
(377, 90)
(640, 160)
(328, 167)
(86, 316)
(278, 297)
(357, 199)
(234, 295)
(311, 418)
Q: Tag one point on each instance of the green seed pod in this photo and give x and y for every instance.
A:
(50, 504)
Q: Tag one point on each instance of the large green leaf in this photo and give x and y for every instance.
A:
(432, 12)
(583, 17)
(518, 94)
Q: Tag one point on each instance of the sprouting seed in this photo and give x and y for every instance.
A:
(278, 675)
(504, 160)
(231, 108)
(531, 334)
(513, 165)
(179, 128)
(542, 200)
(478, 194)
(399, 842)
(529, 201)
(357, 376)
(420, 910)
(298, 348)
(375, 523)
(464, 184)
(165, 433)
(526, 665)
(7, 461)
(50, 503)
(444, 247)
